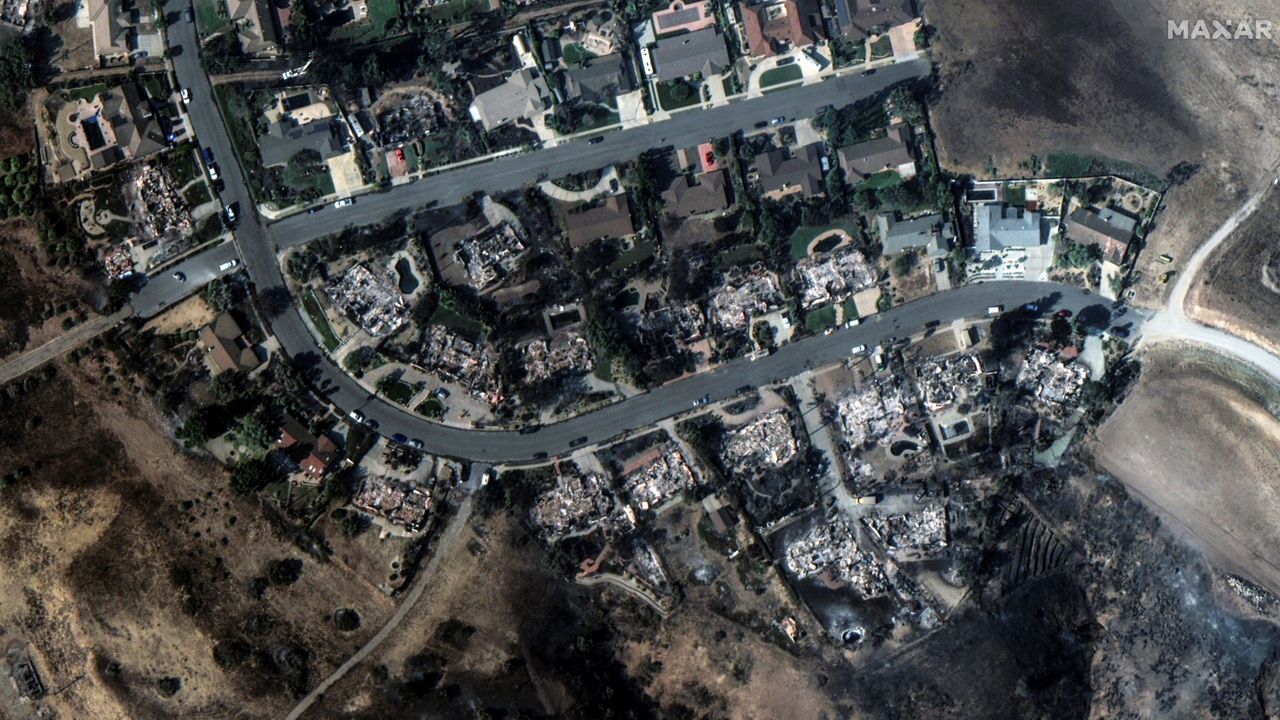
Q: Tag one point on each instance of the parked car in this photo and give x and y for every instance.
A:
(191, 15)
(858, 349)
(230, 213)
(995, 309)
(778, 120)
(346, 202)
(356, 415)
(415, 443)
(179, 277)
(399, 438)
(186, 95)
(228, 265)
(208, 155)
(213, 172)
(596, 140)
(314, 210)
(1064, 314)
(853, 323)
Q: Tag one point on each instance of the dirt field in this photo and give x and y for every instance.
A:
(1196, 442)
(131, 563)
(32, 311)
(1101, 77)
(190, 314)
(1239, 287)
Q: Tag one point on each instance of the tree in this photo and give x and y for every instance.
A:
(905, 263)
(204, 424)
(253, 432)
(252, 475)
(907, 106)
(227, 387)
(218, 293)
(16, 75)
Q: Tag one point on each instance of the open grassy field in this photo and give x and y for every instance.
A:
(1239, 288)
(1196, 442)
(134, 563)
(1102, 78)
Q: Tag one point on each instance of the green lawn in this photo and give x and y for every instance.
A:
(882, 179)
(399, 392)
(431, 407)
(1015, 195)
(604, 370)
(87, 92)
(881, 48)
(821, 319)
(779, 75)
(197, 195)
(666, 97)
(456, 9)
(640, 252)
(449, 318)
(739, 255)
(211, 16)
(380, 12)
(182, 165)
(805, 234)
(320, 181)
(575, 54)
(850, 309)
(312, 305)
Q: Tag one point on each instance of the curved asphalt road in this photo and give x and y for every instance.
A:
(259, 254)
(677, 397)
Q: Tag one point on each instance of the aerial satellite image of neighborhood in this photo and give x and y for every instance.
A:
(639, 359)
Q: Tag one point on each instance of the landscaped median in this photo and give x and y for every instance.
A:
(319, 320)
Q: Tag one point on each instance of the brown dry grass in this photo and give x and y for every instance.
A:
(1239, 288)
(119, 586)
(190, 314)
(1101, 77)
(29, 286)
(1195, 441)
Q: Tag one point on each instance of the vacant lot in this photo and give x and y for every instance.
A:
(1196, 442)
(1239, 287)
(1101, 77)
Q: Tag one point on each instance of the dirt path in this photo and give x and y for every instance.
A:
(1172, 322)
(447, 539)
(73, 338)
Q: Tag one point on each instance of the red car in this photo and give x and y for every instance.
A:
(1064, 313)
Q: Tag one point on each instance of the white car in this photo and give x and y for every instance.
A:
(356, 415)
(852, 323)
(828, 331)
(186, 95)
(213, 172)
(995, 309)
(345, 203)
(228, 265)
(858, 349)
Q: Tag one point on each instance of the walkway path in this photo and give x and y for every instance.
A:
(447, 539)
(64, 343)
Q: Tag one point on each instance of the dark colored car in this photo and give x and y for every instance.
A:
(530, 429)
(1064, 314)
(596, 140)
(208, 155)
(399, 438)
(578, 441)
(540, 456)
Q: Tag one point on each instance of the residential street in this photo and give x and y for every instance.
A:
(684, 128)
